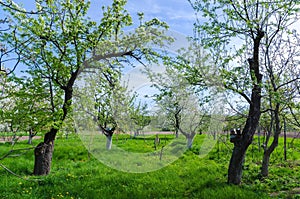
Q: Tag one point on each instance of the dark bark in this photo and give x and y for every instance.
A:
(44, 151)
(236, 165)
(265, 164)
(177, 121)
(241, 144)
(43, 154)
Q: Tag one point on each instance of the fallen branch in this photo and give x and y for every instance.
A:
(14, 150)
(13, 173)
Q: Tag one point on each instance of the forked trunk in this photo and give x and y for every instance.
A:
(190, 139)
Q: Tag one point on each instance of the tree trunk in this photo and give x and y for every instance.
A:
(243, 141)
(269, 150)
(177, 122)
(44, 151)
(235, 169)
(43, 158)
(284, 139)
(43, 154)
(108, 142)
(189, 142)
(30, 139)
(30, 136)
(267, 153)
(176, 133)
(265, 164)
(190, 139)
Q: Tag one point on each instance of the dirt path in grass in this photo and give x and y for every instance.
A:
(288, 134)
(18, 138)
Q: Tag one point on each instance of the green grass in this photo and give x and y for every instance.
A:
(77, 174)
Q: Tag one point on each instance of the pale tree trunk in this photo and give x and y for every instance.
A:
(109, 134)
(108, 142)
(30, 136)
(189, 142)
(30, 139)
(190, 139)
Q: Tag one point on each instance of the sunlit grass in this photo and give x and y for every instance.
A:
(77, 174)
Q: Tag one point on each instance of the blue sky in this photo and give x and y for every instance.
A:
(177, 13)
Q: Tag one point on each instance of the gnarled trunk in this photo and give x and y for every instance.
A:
(43, 158)
(43, 154)
(44, 151)
(242, 143)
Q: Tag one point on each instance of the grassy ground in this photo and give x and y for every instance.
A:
(77, 174)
